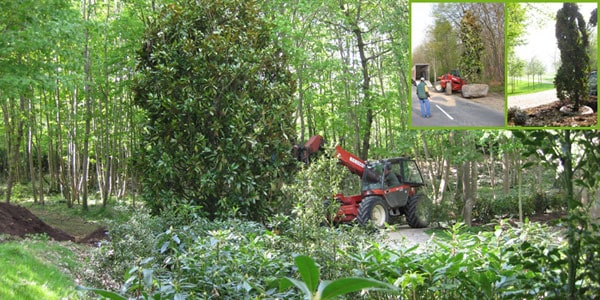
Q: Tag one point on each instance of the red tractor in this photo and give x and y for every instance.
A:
(389, 188)
(451, 82)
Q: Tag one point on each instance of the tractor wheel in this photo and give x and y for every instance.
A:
(373, 209)
(418, 211)
(449, 88)
(437, 86)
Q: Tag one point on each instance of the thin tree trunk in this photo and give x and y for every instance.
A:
(430, 166)
(467, 193)
(505, 172)
(32, 172)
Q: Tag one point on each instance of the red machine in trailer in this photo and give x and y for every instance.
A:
(389, 188)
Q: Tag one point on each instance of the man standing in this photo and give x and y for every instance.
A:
(423, 95)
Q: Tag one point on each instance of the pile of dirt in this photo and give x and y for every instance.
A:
(17, 220)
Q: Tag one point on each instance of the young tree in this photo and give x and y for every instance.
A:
(217, 92)
(571, 79)
(515, 28)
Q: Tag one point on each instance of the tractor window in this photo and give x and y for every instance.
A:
(372, 178)
(411, 173)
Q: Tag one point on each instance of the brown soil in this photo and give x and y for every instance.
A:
(550, 115)
(19, 221)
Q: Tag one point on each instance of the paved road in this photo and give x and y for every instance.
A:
(532, 100)
(455, 111)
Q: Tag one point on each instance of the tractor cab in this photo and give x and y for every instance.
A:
(391, 173)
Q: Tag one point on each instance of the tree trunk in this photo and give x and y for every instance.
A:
(574, 243)
(32, 172)
(506, 178)
(467, 193)
(430, 166)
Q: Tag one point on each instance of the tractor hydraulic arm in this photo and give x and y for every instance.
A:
(351, 161)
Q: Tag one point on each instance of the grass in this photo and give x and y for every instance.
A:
(522, 87)
(75, 221)
(37, 269)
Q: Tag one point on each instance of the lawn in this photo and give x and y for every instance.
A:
(524, 87)
(36, 269)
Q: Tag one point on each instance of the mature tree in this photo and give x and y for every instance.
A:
(217, 92)
(471, 59)
(445, 49)
(571, 79)
(488, 16)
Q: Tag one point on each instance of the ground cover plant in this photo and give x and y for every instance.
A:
(190, 256)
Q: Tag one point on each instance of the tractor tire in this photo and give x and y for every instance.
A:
(449, 88)
(437, 86)
(373, 210)
(418, 211)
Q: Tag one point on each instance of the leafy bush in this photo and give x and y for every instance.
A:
(488, 209)
(243, 260)
(131, 240)
(217, 93)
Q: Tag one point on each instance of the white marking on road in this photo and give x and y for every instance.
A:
(447, 115)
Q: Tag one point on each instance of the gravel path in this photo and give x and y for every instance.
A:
(532, 100)
(406, 237)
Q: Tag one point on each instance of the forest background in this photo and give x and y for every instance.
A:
(74, 125)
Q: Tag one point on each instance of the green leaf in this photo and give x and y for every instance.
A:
(103, 293)
(308, 271)
(288, 282)
(344, 286)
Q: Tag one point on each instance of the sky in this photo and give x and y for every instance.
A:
(541, 42)
(540, 30)
(421, 20)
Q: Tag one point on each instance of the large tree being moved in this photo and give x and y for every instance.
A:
(217, 93)
(571, 79)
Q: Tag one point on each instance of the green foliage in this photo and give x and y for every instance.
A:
(243, 260)
(471, 64)
(130, 241)
(217, 91)
(312, 187)
(488, 209)
(314, 289)
(37, 269)
(571, 34)
(444, 46)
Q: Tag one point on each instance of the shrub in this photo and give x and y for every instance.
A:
(217, 95)
(520, 118)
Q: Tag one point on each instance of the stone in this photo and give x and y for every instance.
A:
(475, 90)
(583, 110)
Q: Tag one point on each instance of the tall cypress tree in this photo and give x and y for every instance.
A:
(571, 79)
(217, 93)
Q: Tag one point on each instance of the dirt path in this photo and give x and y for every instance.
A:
(532, 100)
(406, 237)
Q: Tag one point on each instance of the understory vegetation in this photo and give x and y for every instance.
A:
(180, 255)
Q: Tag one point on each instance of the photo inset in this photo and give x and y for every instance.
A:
(552, 60)
(457, 65)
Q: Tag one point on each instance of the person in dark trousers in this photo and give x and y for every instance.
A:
(423, 95)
